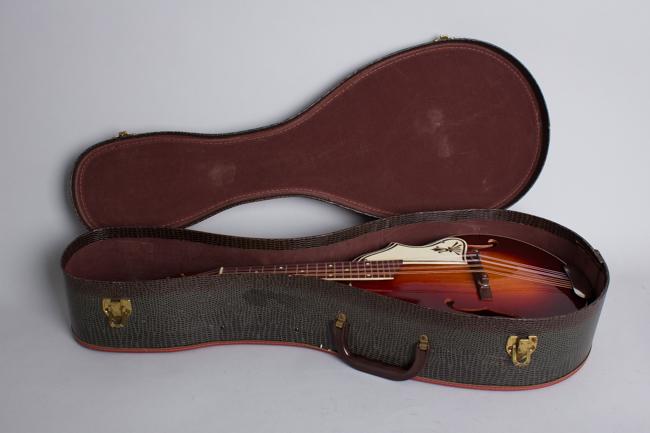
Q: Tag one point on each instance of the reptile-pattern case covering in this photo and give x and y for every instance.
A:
(435, 140)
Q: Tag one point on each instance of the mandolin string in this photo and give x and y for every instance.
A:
(484, 260)
(513, 263)
(422, 270)
(542, 272)
(431, 269)
(522, 274)
(520, 266)
(559, 276)
(491, 271)
(496, 266)
(428, 267)
(494, 272)
(426, 270)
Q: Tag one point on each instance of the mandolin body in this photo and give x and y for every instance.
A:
(517, 292)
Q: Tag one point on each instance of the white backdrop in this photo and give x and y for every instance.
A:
(73, 73)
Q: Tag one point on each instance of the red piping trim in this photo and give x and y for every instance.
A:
(273, 343)
(196, 346)
(504, 388)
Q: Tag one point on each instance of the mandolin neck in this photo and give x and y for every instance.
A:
(333, 271)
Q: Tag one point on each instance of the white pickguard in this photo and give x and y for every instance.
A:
(444, 251)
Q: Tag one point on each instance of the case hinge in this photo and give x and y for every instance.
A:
(123, 134)
(442, 38)
(117, 311)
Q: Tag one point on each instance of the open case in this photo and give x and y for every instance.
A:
(435, 141)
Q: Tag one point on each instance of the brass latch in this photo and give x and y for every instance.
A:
(520, 349)
(340, 320)
(117, 310)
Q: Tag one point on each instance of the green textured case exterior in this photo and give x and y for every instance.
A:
(176, 314)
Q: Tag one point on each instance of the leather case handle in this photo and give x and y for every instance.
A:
(378, 368)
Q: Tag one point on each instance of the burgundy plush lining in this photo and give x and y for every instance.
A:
(446, 126)
(136, 259)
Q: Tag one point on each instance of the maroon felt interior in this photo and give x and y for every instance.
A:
(443, 126)
(137, 259)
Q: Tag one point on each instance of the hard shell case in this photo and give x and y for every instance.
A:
(435, 140)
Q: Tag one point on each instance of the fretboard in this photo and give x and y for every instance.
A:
(363, 270)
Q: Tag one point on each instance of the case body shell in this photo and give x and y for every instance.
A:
(434, 140)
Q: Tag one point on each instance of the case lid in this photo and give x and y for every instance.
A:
(453, 124)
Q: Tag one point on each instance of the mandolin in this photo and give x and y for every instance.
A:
(472, 274)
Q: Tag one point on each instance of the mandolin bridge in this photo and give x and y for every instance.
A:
(481, 279)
